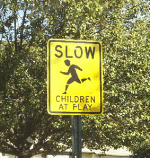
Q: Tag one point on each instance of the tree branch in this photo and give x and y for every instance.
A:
(22, 27)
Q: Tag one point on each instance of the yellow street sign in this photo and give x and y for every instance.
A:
(75, 77)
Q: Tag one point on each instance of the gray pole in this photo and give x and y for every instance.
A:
(76, 136)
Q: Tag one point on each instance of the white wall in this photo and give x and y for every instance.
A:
(3, 156)
(58, 156)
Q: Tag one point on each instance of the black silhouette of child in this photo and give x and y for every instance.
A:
(72, 71)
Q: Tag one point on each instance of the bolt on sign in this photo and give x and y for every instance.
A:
(75, 77)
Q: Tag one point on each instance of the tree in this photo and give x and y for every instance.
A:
(23, 80)
(125, 36)
(126, 77)
(23, 73)
(143, 151)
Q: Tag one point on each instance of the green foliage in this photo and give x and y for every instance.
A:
(23, 106)
(123, 28)
(125, 38)
(141, 152)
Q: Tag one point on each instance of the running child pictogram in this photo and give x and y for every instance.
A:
(72, 71)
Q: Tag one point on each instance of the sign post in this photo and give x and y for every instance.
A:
(76, 136)
(74, 82)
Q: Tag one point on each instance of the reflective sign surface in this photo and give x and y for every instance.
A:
(75, 77)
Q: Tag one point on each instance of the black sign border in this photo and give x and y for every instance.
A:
(101, 84)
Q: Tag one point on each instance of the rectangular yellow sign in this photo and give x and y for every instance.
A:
(75, 77)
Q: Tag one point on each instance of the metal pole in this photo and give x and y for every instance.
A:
(76, 136)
